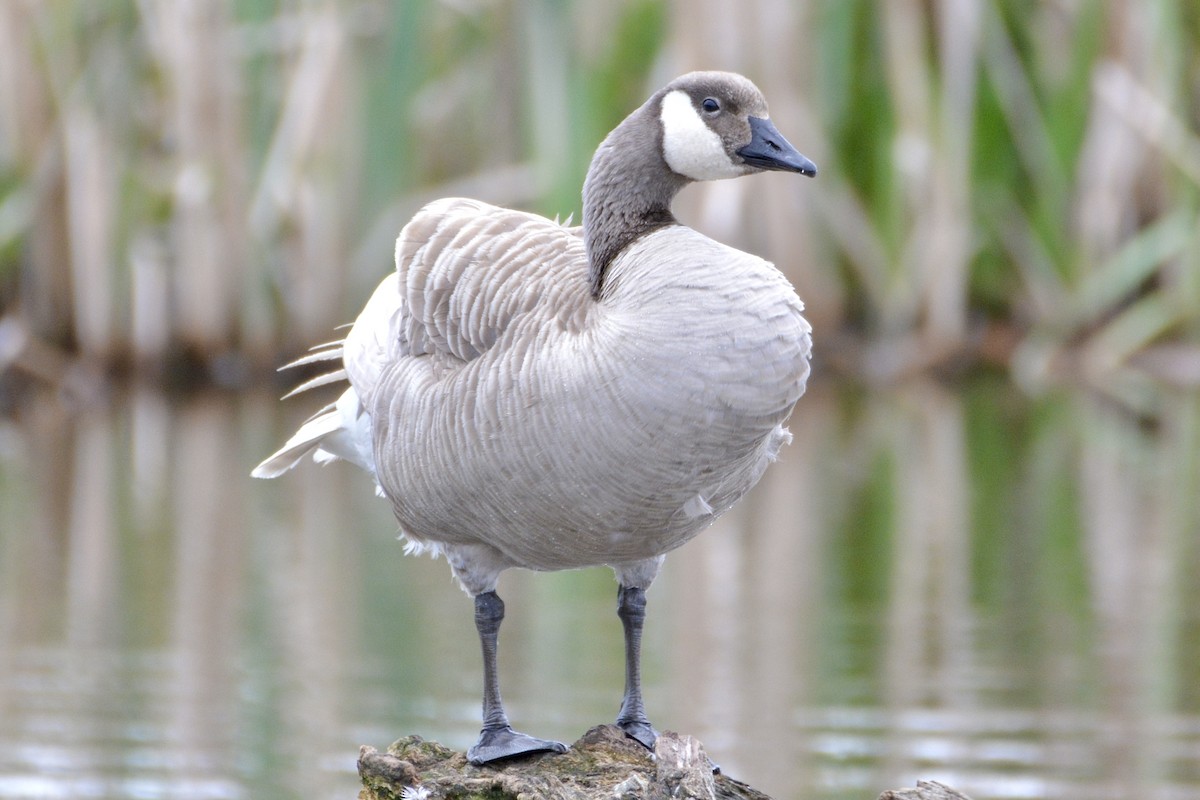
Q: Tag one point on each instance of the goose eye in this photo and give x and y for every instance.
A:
(711, 105)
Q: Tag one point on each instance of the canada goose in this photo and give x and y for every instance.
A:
(532, 395)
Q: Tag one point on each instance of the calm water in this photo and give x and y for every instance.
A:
(960, 584)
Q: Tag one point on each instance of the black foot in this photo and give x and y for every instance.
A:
(499, 743)
(641, 732)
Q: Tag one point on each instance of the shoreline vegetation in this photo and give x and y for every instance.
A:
(192, 192)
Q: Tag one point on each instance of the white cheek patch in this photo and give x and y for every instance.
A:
(690, 147)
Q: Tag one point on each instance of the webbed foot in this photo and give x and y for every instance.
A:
(498, 743)
(640, 731)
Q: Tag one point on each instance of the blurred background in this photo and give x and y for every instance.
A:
(977, 563)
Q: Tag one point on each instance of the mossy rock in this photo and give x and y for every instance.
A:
(604, 763)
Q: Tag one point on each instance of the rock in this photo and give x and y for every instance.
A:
(926, 790)
(604, 763)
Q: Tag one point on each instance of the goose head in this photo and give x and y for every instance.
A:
(716, 125)
(701, 126)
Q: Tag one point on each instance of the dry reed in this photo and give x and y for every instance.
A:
(221, 177)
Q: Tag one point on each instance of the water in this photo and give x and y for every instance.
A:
(951, 583)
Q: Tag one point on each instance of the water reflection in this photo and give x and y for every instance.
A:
(961, 584)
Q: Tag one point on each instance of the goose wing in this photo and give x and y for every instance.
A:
(466, 270)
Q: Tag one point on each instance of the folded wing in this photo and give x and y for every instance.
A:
(465, 270)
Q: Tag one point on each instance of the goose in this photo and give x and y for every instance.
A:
(528, 394)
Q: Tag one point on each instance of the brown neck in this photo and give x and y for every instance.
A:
(628, 191)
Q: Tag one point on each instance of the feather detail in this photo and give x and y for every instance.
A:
(332, 354)
(341, 431)
(333, 342)
(321, 380)
(697, 506)
(303, 442)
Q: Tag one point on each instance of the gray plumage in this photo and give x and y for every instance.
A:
(532, 395)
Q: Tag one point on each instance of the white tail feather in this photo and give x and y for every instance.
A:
(332, 354)
(342, 430)
(303, 442)
(320, 380)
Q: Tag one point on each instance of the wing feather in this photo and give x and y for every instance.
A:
(467, 269)
(465, 272)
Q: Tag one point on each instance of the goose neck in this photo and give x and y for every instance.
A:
(627, 194)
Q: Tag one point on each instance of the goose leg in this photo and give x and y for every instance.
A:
(631, 608)
(498, 740)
